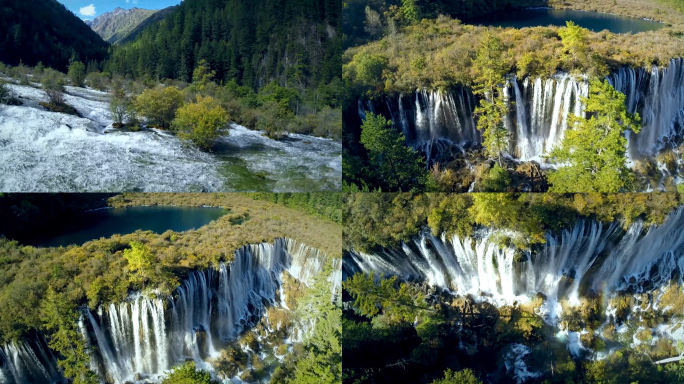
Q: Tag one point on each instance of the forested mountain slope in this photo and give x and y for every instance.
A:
(45, 31)
(117, 24)
(153, 18)
(251, 42)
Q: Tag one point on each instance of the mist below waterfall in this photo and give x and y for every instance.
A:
(148, 334)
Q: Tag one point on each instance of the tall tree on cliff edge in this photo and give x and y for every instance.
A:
(593, 151)
(45, 31)
(254, 42)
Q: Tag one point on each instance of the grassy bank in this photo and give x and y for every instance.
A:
(267, 220)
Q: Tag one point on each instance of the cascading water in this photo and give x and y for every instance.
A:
(147, 335)
(436, 120)
(658, 96)
(431, 119)
(606, 256)
(28, 361)
(541, 113)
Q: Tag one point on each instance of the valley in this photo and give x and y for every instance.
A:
(151, 113)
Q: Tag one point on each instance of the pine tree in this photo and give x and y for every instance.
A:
(410, 11)
(592, 153)
(322, 362)
(489, 83)
(60, 317)
(575, 41)
(399, 166)
(398, 302)
(465, 376)
(120, 106)
(77, 73)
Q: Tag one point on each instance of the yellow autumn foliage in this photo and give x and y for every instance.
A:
(201, 122)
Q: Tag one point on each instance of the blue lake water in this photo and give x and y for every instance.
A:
(87, 226)
(595, 21)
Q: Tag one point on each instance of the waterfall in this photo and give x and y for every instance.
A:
(430, 118)
(608, 258)
(147, 334)
(658, 96)
(28, 361)
(435, 120)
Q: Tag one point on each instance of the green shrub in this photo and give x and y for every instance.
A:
(53, 85)
(201, 122)
(188, 374)
(6, 95)
(497, 180)
(21, 73)
(38, 69)
(121, 107)
(159, 105)
(77, 74)
(465, 376)
(272, 119)
(97, 81)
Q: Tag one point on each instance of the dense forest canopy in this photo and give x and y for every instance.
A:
(384, 220)
(294, 43)
(45, 31)
(251, 42)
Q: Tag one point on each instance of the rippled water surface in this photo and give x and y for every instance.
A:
(42, 151)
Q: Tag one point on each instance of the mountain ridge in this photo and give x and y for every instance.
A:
(117, 24)
(46, 31)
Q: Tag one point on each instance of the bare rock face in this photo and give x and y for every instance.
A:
(115, 25)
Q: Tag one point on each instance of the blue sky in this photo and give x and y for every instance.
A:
(90, 9)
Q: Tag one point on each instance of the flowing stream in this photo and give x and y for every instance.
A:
(42, 151)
